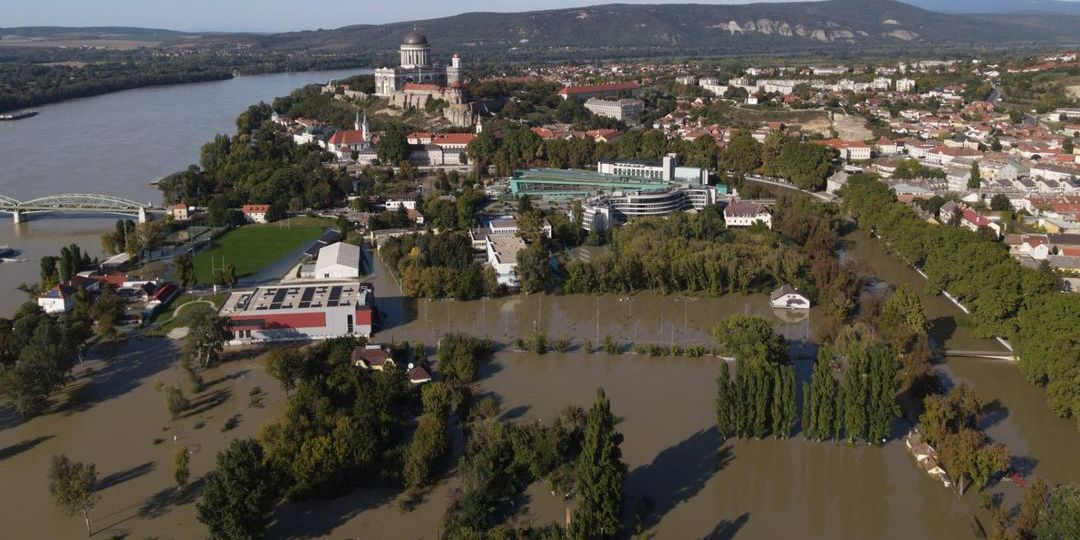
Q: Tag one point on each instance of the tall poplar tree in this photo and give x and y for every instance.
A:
(601, 472)
(725, 403)
(819, 410)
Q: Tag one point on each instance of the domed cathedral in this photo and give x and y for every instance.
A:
(416, 67)
(417, 80)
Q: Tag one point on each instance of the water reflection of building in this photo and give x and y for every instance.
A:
(791, 316)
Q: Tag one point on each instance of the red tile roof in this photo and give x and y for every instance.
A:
(422, 87)
(599, 88)
(347, 137)
(454, 138)
(255, 208)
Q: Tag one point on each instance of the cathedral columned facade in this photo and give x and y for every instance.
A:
(417, 80)
(416, 67)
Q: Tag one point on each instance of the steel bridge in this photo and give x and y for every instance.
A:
(77, 203)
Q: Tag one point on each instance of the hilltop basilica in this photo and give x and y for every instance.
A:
(417, 80)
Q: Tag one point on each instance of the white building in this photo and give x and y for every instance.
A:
(746, 214)
(255, 213)
(905, 85)
(502, 251)
(626, 109)
(338, 261)
(668, 170)
(613, 209)
(788, 297)
(59, 299)
(291, 313)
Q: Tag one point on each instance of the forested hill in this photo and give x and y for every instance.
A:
(686, 29)
(855, 27)
(1000, 6)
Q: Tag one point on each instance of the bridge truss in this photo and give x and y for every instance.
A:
(76, 203)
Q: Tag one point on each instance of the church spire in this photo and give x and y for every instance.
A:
(356, 123)
(364, 128)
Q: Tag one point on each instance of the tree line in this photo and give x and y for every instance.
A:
(258, 165)
(760, 401)
(1005, 298)
(690, 252)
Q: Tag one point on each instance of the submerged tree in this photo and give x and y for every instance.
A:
(72, 485)
(238, 500)
(601, 472)
(819, 410)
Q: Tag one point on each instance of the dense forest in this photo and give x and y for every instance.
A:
(1005, 298)
(258, 165)
(694, 253)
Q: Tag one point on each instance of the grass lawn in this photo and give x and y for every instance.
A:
(252, 247)
(169, 320)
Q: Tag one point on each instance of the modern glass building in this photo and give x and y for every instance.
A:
(568, 184)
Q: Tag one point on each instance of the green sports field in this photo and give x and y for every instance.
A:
(252, 247)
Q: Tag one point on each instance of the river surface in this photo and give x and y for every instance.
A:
(116, 144)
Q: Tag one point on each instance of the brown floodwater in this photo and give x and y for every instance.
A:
(111, 415)
(699, 485)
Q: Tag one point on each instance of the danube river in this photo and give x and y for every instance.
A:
(116, 144)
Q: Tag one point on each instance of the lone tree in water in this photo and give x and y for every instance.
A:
(601, 472)
(238, 501)
(181, 469)
(207, 337)
(72, 486)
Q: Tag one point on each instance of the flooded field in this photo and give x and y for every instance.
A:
(699, 486)
(702, 487)
(113, 416)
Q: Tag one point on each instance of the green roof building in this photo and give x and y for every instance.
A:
(567, 184)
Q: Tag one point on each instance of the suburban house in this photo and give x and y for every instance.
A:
(789, 297)
(374, 357)
(746, 214)
(59, 299)
(418, 375)
(850, 150)
(255, 213)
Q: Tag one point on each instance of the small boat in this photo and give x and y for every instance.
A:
(18, 115)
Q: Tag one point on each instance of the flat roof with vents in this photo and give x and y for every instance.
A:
(301, 297)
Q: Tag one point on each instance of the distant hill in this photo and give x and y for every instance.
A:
(90, 32)
(622, 29)
(639, 30)
(1051, 7)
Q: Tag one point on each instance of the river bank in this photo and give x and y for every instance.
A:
(115, 144)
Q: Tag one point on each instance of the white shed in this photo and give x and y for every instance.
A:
(788, 297)
(338, 261)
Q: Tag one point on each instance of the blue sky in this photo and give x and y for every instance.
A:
(262, 15)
